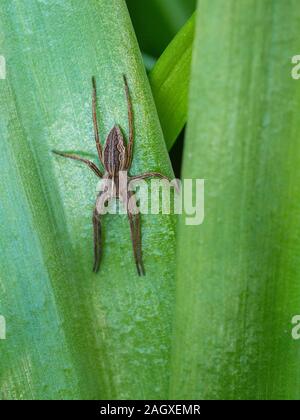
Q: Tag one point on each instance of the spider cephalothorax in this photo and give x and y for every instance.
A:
(115, 157)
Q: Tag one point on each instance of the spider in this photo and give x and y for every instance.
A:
(115, 157)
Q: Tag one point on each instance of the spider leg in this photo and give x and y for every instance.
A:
(149, 175)
(155, 175)
(100, 203)
(139, 242)
(135, 230)
(95, 122)
(130, 123)
(89, 163)
(97, 240)
(103, 198)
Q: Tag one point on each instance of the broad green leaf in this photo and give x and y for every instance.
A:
(169, 80)
(156, 22)
(238, 273)
(70, 333)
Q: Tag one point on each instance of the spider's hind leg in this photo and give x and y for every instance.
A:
(135, 230)
(97, 240)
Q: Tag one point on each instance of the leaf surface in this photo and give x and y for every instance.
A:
(238, 272)
(70, 333)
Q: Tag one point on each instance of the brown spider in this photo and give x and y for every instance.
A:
(115, 157)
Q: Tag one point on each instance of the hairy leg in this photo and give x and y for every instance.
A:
(95, 122)
(135, 231)
(97, 240)
(89, 163)
(156, 175)
(149, 175)
(130, 123)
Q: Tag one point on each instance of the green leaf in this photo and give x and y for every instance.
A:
(70, 333)
(169, 80)
(238, 272)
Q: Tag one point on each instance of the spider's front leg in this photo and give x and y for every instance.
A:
(135, 230)
(130, 125)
